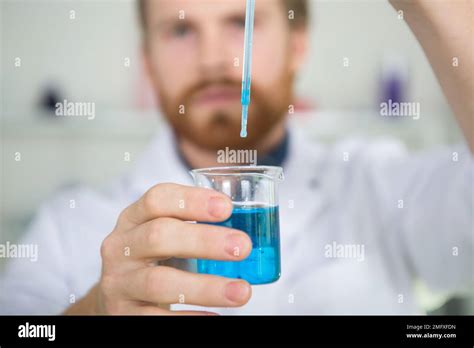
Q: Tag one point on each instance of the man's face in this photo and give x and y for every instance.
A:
(194, 53)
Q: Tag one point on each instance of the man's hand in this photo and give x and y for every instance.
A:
(445, 30)
(155, 228)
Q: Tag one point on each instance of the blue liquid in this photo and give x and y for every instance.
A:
(263, 264)
(245, 111)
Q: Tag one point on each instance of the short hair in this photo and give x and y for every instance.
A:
(297, 9)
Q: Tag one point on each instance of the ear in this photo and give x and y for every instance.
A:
(299, 47)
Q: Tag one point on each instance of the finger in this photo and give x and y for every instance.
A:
(193, 313)
(167, 285)
(178, 201)
(152, 310)
(167, 237)
(134, 308)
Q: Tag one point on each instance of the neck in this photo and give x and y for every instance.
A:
(197, 157)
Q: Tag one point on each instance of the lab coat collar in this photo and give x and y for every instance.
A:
(159, 163)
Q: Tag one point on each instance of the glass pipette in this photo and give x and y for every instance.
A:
(247, 69)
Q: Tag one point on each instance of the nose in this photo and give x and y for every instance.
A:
(213, 58)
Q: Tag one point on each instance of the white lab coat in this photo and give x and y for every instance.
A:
(413, 215)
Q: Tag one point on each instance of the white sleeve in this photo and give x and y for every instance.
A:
(36, 287)
(427, 204)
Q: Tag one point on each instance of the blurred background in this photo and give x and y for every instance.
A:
(362, 53)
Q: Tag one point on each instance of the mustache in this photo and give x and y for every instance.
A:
(206, 83)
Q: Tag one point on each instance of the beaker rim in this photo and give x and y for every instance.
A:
(272, 172)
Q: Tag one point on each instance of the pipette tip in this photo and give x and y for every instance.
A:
(243, 128)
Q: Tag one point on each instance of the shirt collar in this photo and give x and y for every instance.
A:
(160, 162)
(276, 156)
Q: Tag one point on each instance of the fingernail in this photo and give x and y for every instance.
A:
(235, 244)
(237, 291)
(217, 207)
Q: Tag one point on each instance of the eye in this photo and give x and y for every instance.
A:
(238, 22)
(180, 30)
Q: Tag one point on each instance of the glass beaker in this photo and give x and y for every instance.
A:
(254, 194)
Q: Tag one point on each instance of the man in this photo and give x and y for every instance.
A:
(101, 258)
